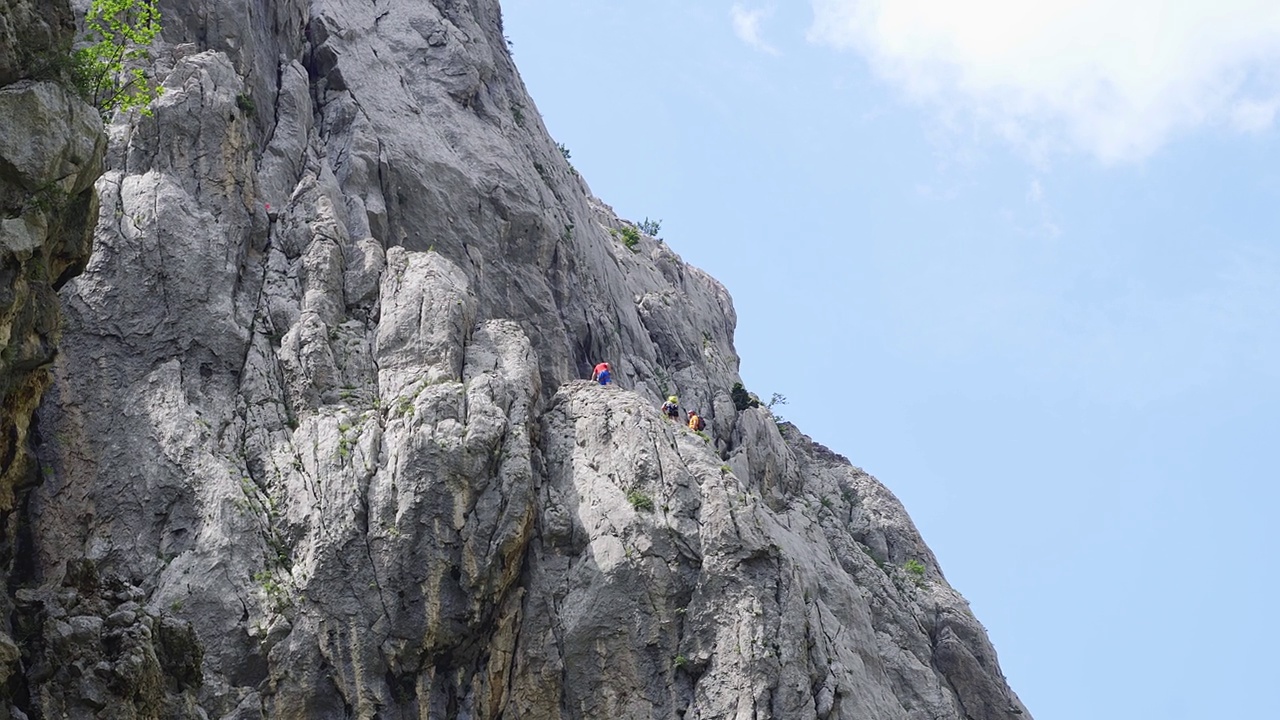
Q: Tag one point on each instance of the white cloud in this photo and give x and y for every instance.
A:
(1044, 225)
(746, 25)
(1035, 192)
(1117, 79)
(1254, 115)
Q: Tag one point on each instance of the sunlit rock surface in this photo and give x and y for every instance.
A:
(319, 396)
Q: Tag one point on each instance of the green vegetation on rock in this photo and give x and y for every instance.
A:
(741, 398)
(650, 227)
(640, 501)
(628, 235)
(106, 72)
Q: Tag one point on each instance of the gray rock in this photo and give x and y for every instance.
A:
(51, 150)
(51, 138)
(32, 34)
(9, 656)
(319, 406)
(101, 655)
(50, 153)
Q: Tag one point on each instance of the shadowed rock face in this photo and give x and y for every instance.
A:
(318, 396)
(32, 34)
(51, 147)
(50, 155)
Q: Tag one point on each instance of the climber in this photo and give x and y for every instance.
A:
(601, 373)
(696, 422)
(671, 408)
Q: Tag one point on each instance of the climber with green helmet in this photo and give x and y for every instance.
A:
(671, 408)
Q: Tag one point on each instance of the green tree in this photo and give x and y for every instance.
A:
(107, 71)
(743, 399)
(650, 227)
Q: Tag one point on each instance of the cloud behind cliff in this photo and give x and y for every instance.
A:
(1117, 80)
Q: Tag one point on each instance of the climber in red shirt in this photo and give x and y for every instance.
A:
(601, 373)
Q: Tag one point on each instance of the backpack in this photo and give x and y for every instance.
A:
(671, 410)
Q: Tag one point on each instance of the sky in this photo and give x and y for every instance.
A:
(1020, 261)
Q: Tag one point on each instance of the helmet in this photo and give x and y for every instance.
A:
(673, 399)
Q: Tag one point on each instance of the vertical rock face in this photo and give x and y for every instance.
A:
(51, 146)
(50, 155)
(32, 32)
(317, 397)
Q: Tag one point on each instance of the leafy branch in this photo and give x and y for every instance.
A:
(107, 71)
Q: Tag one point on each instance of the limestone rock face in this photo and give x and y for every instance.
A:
(319, 396)
(51, 149)
(50, 154)
(94, 651)
(32, 33)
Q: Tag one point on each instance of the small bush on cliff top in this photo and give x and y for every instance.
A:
(628, 235)
(120, 31)
(743, 399)
(651, 227)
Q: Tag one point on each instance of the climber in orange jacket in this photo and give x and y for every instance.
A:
(696, 423)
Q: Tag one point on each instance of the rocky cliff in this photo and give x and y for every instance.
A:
(51, 146)
(317, 444)
(50, 154)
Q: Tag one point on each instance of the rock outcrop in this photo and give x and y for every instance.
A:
(51, 149)
(50, 154)
(318, 396)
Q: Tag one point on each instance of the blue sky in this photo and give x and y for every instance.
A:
(1021, 262)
